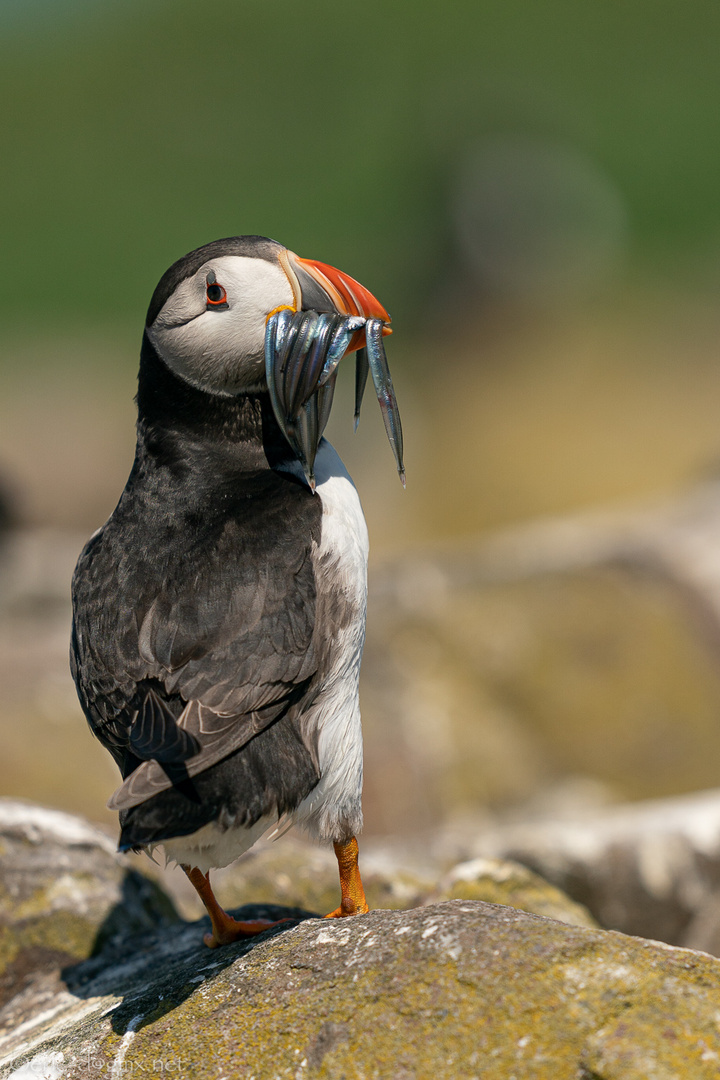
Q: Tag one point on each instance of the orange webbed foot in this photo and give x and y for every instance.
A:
(353, 895)
(225, 929)
(347, 907)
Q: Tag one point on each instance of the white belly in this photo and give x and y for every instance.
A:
(213, 846)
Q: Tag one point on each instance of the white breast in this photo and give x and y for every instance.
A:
(333, 810)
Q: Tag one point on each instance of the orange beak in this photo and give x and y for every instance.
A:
(319, 287)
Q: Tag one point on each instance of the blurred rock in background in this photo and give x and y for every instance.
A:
(583, 646)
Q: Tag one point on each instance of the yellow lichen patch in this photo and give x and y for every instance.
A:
(513, 885)
(9, 947)
(62, 932)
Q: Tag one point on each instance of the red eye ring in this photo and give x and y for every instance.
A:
(216, 295)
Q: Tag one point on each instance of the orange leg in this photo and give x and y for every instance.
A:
(353, 895)
(225, 929)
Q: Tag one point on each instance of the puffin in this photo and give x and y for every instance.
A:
(219, 614)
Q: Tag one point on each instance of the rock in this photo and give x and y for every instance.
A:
(292, 872)
(703, 931)
(513, 885)
(64, 892)
(456, 989)
(650, 868)
(47, 754)
(485, 693)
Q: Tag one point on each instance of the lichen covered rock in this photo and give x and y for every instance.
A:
(650, 869)
(499, 881)
(456, 989)
(64, 892)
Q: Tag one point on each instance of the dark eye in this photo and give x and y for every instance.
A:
(216, 295)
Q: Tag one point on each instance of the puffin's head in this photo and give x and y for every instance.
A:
(246, 315)
(208, 315)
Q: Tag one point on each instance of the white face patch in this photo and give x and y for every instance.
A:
(221, 350)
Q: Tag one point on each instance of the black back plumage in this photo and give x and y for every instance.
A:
(197, 600)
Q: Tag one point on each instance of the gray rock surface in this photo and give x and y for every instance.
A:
(583, 645)
(460, 989)
(101, 982)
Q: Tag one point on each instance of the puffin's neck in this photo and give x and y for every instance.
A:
(172, 415)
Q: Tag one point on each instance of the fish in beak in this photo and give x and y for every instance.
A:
(332, 315)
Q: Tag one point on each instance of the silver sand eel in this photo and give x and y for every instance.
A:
(302, 352)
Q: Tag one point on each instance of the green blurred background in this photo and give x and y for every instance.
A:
(531, 190)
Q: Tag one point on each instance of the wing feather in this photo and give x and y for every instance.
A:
(218, 736)
(218, 623)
